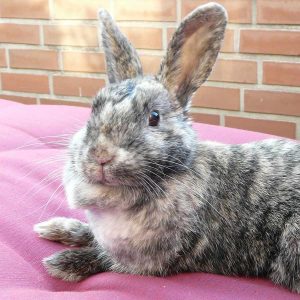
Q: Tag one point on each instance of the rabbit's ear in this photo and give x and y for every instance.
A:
(122, 61)
(192, 51)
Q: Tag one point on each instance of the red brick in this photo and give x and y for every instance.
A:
(205, 118)
(77, 86)
(83, 62)
(71, 35)
(33, 59)
(285, 129)
(2, 58)
(19, 34)
(281, 73)
(29, 9)
(238, 11)
(151, 63)
(78, 9)
(25, 83)
(24, 100)
(144, 37)
(63, 102)
(241, 71)
(273, 102)
(278, 11)
(270, 42)
(214, 97)
(147, 10)
(228, 43)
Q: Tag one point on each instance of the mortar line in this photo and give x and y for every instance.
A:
(245, 114)
(178, 11)
(242, 99)
(254, 12)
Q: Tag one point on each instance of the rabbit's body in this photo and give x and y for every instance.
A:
(159, 201)
(227, 213)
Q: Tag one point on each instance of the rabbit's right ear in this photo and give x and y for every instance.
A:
(192, 52)
(122, 61)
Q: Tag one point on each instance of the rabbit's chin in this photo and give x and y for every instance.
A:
(104, 181)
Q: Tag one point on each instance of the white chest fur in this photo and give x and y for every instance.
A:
(112, 227)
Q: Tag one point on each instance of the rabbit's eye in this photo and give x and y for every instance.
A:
(154, 118)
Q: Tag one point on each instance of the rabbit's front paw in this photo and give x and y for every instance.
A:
(74, 264)
(67, 231)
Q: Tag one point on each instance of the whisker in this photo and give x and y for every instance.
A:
(151, 180)
(145, 186)
(54, 175)
(49, 200)
(189, 188)
(55, 143)
(63, 139)
(38, 164)
(60, 204)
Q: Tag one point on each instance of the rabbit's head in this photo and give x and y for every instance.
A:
(139, 131)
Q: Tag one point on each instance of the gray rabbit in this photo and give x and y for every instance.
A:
(158, 201)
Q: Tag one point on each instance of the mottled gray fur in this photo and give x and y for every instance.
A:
(122, 61)
(164, 202)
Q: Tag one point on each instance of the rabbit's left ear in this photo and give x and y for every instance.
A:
(122, 61)
(192, 52)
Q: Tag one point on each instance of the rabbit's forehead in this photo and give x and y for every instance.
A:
(133, 97)
(143, 91)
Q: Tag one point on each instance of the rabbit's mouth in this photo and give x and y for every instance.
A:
(106, 178)
(99, 174)
(111, 174)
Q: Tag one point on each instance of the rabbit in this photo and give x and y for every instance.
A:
(158, 200)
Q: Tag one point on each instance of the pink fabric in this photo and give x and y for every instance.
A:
(27, 136)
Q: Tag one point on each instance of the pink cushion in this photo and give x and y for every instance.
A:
(29, 138)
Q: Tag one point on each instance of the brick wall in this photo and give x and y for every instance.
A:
(50, 53)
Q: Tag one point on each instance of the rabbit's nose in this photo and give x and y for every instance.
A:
(101, 156)
(104, 159)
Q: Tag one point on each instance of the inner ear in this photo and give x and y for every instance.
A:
(192, 51)
(192, 55)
